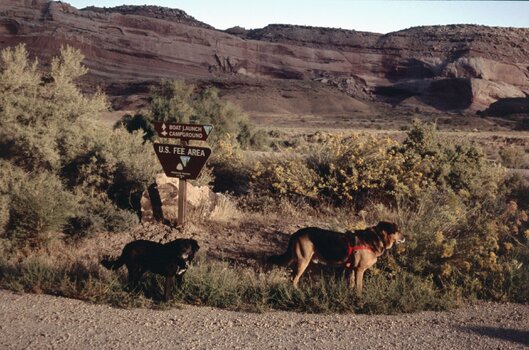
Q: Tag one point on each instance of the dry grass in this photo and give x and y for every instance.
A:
(220, 284)
(235, 237)
(225, 210)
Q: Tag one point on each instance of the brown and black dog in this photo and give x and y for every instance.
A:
(356, 250)
(169, 260)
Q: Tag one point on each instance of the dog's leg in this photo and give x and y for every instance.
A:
(132, 275)
(300, 268)
(303, 261)
(169, 281)
(352, 278)
(179, 280)
(135, 274)
(359, 276)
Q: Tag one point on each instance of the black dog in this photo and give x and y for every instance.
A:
(169, 260)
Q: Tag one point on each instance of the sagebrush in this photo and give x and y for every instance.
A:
(59, 165)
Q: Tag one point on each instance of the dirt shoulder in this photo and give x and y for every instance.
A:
(41, 321)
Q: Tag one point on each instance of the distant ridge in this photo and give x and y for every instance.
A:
(281, 69)
(158, 12)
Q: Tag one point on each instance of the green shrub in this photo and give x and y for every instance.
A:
(116, 163)
(467, 248)
(517, 278)
(40, 205)
(96, 215)
(229, 166)
(176, 101)
(35, 112)
(48, 129)
(11, 178)
(288, 177)
(459, 167)
(137, 122)
(514, 157)
(516, 188)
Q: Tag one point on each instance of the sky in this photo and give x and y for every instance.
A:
(371, 16)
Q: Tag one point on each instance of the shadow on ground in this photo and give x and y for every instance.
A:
(513, 335)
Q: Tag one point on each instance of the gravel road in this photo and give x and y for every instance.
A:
(41, 321)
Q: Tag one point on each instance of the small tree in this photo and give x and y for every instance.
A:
(176, 101)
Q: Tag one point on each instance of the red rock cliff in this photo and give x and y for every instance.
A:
(460, 67)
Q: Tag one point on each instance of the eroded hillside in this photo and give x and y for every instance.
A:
(282, 70)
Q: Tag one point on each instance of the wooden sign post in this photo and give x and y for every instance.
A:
(182, 197)
(182, 161)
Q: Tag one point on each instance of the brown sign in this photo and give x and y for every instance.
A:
(183, 131)
(184, 162)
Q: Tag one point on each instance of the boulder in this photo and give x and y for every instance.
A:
(159, 203)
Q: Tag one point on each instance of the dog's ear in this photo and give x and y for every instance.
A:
(388, 227)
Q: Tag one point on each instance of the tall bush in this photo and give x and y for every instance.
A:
(353, 170)
(112, 163)
(177, 101)
(63, 166)
(38, 110)
(479, 249)
(39, 206)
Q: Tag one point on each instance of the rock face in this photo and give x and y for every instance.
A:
(458, 67)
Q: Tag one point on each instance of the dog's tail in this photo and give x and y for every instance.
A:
(283, 259)
(113, 264)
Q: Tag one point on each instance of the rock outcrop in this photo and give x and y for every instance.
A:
(456, 67)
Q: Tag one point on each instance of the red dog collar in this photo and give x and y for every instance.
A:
(353, 248)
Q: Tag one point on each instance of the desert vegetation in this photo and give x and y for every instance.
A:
(60, 172)
(66, 180)
(178, 102)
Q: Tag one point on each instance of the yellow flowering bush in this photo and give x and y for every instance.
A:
(473, 248)
(354, 169)
(462, 231)
(288, 177)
